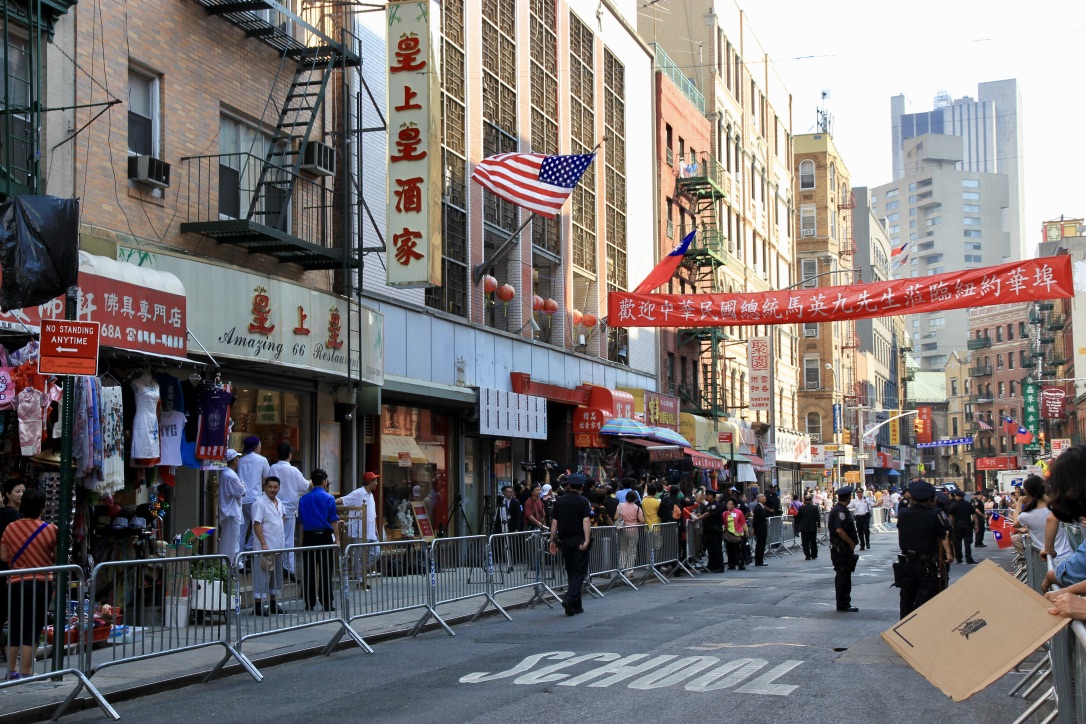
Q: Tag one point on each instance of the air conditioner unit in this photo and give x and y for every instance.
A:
(319, 159)
(149, 170)
(810, 333)
(808, 232)
(814, 386)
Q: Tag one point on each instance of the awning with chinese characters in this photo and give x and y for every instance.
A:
(140, 309)
(1025, 281)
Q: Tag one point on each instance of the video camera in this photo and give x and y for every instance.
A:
(529, 467)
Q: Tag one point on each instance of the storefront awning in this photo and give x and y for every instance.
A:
(422, 390)
(401, 447)
(705, 460)
(757, 462)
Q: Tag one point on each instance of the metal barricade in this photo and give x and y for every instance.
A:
(824, 528)
(460, 569)
(523, 557)
(645, 552)
(41, 654)
(694, 555)
(668, 548)
(164, 606)
(269, 603)
(789, 536)
(775, 536)
(387, 578)
(1074, 534)
(603, 560)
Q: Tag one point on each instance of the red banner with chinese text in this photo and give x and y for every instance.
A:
(924, 428)
(1025, 281)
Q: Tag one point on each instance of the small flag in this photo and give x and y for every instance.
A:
(899, 249)
(1010, 426)
(1002, 529)
(981, 423)
(663, 271)
(533, 181)
(1023, 436)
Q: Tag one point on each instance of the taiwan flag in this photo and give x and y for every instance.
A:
(1002, 529)
(662, 273)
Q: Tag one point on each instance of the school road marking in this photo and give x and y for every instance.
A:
(695, 673)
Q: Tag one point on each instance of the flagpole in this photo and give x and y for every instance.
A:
(483, 267)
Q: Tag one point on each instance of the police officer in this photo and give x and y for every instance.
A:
(961, 518)
(712, 531)
(572, 534)
(842, 549)
(922, 531)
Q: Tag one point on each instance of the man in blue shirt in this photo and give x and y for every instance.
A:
(628, 485)
(317, 513)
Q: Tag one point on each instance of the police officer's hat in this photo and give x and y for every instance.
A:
(576, 480)
(957, 492)
(710, 491)
(845, 490)
(919, 490)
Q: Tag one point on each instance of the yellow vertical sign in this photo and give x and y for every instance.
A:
(895, 430)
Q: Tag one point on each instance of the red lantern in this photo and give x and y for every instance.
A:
(577, 316)
(550, 306)
(589, 320)
(537, 303)
(489, 284)
(506, 293)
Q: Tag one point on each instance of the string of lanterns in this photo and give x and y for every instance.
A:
(506, 293)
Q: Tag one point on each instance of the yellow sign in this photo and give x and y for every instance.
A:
(895, 430)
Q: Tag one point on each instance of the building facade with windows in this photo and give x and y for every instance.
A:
(946, 219)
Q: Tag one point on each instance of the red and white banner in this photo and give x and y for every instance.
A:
(1026, 281)
(758, 364)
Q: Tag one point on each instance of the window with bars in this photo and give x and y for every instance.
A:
(451, 297)
(544, 76)
(582, 125)
(499, 99)
(19, 134)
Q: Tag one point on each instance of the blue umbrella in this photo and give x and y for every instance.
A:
(662, 434)
(625, 427)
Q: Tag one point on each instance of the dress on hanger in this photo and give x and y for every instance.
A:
(145, 444)
(111, 409)
(28, 409)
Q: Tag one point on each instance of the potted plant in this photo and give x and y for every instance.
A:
(212, 586)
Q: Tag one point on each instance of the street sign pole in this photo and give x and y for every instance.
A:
(64, 506)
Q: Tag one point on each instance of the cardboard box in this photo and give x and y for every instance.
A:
(974, 632)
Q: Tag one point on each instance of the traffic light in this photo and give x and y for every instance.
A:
(846, 436)
(918, 426)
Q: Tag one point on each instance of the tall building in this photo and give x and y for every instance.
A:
(947, 219)
(875, 336)
(961, 422)
(990, 129)
(750, 144)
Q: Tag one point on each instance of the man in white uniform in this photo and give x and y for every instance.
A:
(861, 511)
(359, 497)
(292, 486)
(231, 491)
(252, 469)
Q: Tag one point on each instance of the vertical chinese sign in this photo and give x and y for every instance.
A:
(925, 429)
(413, 234)
(758, 362)
(895, 429)
(1032, 410)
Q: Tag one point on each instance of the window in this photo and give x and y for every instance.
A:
(812, 373)
(933, 258)
(933, 221)
(970, 196)
(936, 270)
(972, 234)
(242, 150)
(970, 183)
(973, 246)
(19, 134)
(808, 222)
(1010, 358)
(954, 427)
(671, 373)
(895, 229)
(1010, 332)
(1002, 390)
(971, 221)
(971, 208)
(953, 388)
(806, 174)
(810, 329)
(937, 322)
(891, 205)
(892, 193)
(916, 324)
(143, 116)
(973, 259)
(809, 272)
(999, 357)
(668, 145)
(912, 212)
(814, 425)
(893, 217)
(1014, 393)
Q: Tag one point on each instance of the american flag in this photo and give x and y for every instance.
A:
(981, 423)
(533, 181)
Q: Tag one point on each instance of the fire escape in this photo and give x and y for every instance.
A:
(278, 196)
(704, 184)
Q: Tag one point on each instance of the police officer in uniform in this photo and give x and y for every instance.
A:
(842, 549)
(922, 531)
(961, 517)
(571, 533)
(712, 531)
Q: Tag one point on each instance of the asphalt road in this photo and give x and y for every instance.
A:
(764, 645)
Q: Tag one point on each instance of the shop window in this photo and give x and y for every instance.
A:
(415, 462)
(274, 416)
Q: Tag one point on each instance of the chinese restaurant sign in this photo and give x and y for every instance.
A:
(1031, 280)
(1053, 402)
(413, 234)
(1031, 405)
(924, 432)
(758, 362)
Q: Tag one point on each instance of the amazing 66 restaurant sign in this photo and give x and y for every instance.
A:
(413, 237)
(1031, 280)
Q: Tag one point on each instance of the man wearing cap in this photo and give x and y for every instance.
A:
(843, 549)
(363, 496)
(961, 521)
(921, 534)
(981, 519)
(231, 491)
(292, 486)
(317, 511)
(571, 531)
(252, 469)
(712, 531)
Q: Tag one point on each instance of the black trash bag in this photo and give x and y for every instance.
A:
(39, 249)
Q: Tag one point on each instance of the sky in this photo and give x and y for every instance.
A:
(865, 52)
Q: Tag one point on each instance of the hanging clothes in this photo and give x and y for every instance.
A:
(29, 409)
(111, 410)
(172, 398)
(171, 428)
(146, 449)
(214, 422)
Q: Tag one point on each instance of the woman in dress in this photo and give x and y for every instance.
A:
(735, 526)
(628, 516)
(27, 543)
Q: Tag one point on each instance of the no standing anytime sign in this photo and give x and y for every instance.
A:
(69, 348)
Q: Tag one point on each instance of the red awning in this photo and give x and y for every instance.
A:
(705, 460)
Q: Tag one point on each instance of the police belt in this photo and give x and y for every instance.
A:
(914, 557)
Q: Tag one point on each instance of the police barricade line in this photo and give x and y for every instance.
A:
(668, 547)
(646, 552)
(775, 536)
(603, 560)
(163, 606)
(1074, 534)
(273, 604)
(824, 529)
(518, 561)
(692, 548)
(635, 552)
(460, 569)
(789, 536)
(391, 577)
(1042, 670)
(28, 595)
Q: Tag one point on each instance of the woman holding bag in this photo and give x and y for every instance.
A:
(628, 516)
(27, 543)
(735, 527)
